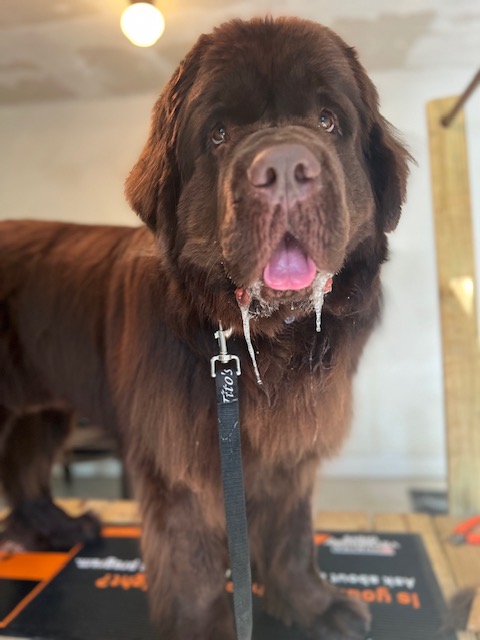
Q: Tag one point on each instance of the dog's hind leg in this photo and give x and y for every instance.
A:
(29, 444)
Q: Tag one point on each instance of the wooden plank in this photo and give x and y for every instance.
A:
(342, 521)
(112, 512)
(456, 272)
(77, 506)
(464, 559)
(390, 522)
(122, 512)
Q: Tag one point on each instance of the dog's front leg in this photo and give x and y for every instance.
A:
(29, 443)
(185, 561)
(284, 555)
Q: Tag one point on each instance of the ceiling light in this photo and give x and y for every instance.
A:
(142, 23)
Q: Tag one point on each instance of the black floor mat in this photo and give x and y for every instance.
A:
(100, 592)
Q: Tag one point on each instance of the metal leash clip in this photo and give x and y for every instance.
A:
(224, 357)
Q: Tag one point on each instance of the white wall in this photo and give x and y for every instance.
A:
(68, 160)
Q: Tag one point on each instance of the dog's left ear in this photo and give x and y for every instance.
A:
(387, 162)
(386, 157)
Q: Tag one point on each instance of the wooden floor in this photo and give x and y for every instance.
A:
(455, 566)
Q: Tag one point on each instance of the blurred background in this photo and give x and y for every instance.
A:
(75, 99)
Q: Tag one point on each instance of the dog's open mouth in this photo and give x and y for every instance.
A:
(291, 280)
(291, 274)
(290, 277)
(289, 268)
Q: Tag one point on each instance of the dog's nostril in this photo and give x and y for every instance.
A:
(270, 177)
(306, 170)
(300, 173)
(262, 176)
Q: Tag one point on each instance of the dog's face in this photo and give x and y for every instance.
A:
(268, 164)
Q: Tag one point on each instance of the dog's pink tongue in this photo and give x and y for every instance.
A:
(289, 268)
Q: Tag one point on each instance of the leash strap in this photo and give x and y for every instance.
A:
(226, 381)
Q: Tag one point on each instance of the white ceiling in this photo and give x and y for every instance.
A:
(67, 49)
(61, 49)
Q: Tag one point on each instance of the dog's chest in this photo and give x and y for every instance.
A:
(300, 410)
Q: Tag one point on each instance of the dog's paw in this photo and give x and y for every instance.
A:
(42, 526)
(345, 619)
(10, 547)
(72, 531)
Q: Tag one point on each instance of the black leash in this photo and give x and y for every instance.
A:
(232, 475)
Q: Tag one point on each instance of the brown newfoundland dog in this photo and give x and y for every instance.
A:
(268, 182)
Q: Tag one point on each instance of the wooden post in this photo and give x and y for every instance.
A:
(456, 273)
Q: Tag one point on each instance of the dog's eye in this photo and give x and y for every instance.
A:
(328, 120)
(219, 134)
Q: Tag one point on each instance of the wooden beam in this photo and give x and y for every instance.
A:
(456, 274)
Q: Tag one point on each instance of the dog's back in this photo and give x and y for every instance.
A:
(54, 287)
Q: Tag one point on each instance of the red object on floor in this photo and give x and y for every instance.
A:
(467, 532)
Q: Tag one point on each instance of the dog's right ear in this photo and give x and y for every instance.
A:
(153, 185)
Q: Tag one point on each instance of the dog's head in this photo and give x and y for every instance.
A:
(269, 166)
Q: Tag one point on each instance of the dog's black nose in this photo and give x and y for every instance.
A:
(284, 171)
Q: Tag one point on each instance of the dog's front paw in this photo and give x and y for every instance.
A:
(39, 525)
(345, 619)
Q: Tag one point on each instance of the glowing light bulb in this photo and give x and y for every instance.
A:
(142, 24)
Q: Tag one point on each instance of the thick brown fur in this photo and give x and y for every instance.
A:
(118, 323)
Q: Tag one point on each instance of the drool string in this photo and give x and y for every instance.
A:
(321, 285)
(243, 300)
